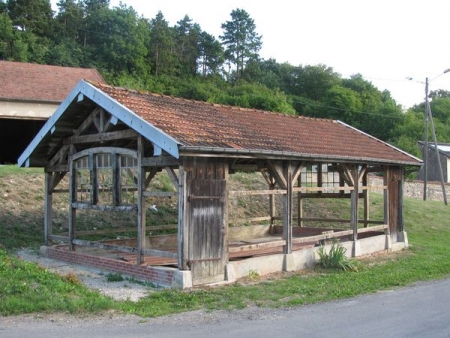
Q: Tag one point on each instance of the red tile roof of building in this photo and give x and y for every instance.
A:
(201, 126)
(35, 82)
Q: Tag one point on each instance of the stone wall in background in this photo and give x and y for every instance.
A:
(414, 189)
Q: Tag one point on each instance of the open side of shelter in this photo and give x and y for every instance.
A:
(104, 145)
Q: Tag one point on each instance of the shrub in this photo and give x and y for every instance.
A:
(335, 258)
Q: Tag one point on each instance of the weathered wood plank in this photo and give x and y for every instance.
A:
(256, 246)
(314, 189)
(256, 192)
(88, 206)
(159, 194)
(321, 237)
(160, 161)
(101, 137)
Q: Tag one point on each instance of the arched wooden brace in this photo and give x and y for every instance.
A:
(285, 174)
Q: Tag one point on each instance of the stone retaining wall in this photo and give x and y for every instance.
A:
(414, 189)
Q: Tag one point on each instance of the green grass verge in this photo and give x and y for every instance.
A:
(26, 288)
(15, 170)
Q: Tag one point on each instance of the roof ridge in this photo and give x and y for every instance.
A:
(214, 104)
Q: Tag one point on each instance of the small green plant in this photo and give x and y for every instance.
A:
(335, 258)
(114, 277)
(253, 274)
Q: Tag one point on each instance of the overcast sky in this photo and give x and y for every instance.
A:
(384, 40)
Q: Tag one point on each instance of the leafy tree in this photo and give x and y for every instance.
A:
(187, 37)
(211, 54)
(69, 21)
(31, 16)
(379, 113)
(241, 41)
(7, 37)
(3, 7)
(161, 47)
(66, 52)
(92, 6)
(119, 43)
(252, 95)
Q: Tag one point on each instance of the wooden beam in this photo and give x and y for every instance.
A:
(256, 246)
(257, 192)
(276, 170)
(245, 167)
(87, 122)
(159, 194)
(183, 221)
(48, 213)
(173, 177)
(141, 211)
(60, 156)
(320, 189)
(88, 206)
(101, 137)
(317, 238)
(57, 168)
(353, 172)
(160, 161)
(287, 212)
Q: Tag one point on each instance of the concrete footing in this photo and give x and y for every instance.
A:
(182, 280)
(289, 262)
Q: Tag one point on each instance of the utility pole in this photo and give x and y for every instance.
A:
(429, 116)
(425, 149)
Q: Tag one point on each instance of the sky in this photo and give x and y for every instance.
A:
(386, 41)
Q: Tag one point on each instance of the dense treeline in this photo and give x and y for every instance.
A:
(183, 60)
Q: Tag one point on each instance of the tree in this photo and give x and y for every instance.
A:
(161, 48)
(119, 43)
(70, 19)
(241, 41)
(187, 37)
(210, 54)
(31, 16)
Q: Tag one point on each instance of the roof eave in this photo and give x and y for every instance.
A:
(271, 154)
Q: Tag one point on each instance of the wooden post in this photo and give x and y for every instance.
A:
(366, 197)
(354, 202)
(48, 215)
(116, 184)
(300, 204)
(386, 199)
(400, 225)
(272, 205)
(287, 215)
(141, 207)
(72, 200)
(93, 179)
(183, 231)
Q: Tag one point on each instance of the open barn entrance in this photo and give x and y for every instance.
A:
(15, 135)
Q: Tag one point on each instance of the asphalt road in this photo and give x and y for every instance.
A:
(421, 311)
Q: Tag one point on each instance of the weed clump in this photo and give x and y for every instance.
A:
(335, 258)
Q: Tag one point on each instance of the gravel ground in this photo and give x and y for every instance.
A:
(93, 278)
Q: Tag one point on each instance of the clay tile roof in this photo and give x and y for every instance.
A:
(200, 125)
(34, 82)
